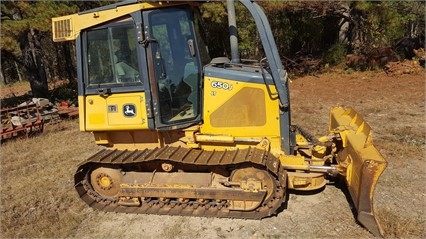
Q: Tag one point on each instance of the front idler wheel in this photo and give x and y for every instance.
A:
(106, 181)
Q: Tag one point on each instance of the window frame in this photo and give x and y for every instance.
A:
(118, 87)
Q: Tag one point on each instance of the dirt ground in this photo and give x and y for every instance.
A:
(394, 106)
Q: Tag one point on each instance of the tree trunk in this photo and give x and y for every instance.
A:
(69, 67)
(2, 79)
(18, 72)
(33, 61)
(32, 52)
(344, 27)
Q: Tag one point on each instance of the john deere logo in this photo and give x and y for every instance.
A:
(129, 110)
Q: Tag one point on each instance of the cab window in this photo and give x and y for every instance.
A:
(111, 55)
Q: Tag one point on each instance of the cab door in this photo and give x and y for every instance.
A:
(174, 66)
(112, 75)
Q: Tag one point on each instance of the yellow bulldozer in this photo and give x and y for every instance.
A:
(184, 134)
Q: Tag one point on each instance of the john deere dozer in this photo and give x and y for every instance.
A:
(183, 134)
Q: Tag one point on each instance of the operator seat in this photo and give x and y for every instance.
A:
(125, 73)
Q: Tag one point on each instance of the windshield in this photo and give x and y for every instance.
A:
(111, 55)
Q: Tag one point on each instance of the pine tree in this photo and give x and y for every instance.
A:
(25, 33)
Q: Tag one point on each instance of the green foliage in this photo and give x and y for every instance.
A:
(349, 71)
(215, 24)
(22, 16)
(384, 22)
(335, 55)
(214, 12)
(65, 92)
(248, 39)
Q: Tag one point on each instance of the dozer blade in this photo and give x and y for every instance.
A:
(360, 163)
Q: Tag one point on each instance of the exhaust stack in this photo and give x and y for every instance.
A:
(233, 33)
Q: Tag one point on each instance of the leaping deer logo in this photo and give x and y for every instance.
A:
(129, 110)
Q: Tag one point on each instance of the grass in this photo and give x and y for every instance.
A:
(16, 87)
(397, 227)
(36, 178)
(18, 92)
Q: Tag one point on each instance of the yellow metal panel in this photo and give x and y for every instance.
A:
(292, 160)
(214, 138)
(242, 105)
(95, 119)
(254, 114)
(68, 27)
(305, 181)
(101, 138)
(81, 113)
(125, 111)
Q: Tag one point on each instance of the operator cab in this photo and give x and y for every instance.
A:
(159, 52)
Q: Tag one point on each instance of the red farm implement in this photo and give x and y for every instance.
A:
(22, 121)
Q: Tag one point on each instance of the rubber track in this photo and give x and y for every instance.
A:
(116, 158)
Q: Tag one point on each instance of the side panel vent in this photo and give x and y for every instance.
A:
(62, 29)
